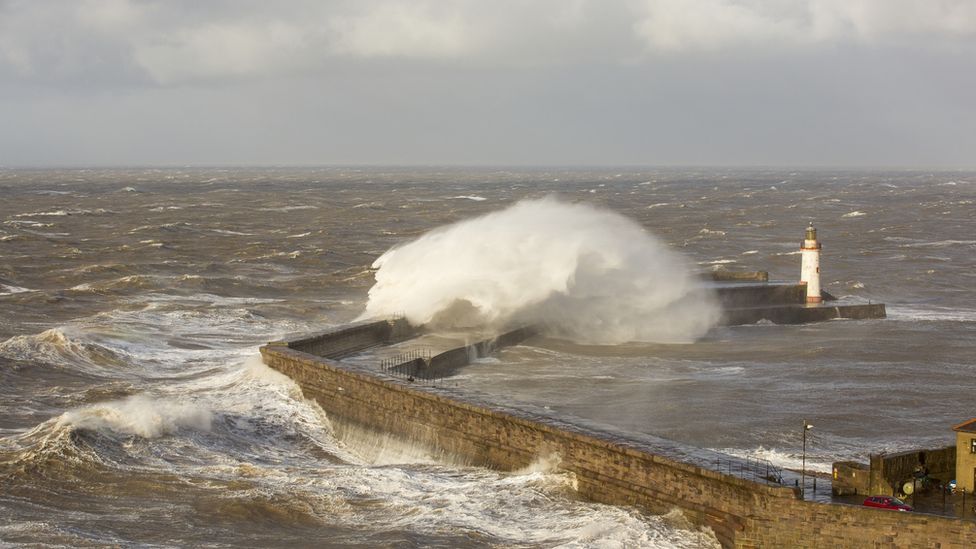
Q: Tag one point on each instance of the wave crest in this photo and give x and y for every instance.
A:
(141, 416)
(55, 347)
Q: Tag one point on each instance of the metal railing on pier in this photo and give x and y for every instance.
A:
(759, 470)
(413, 366)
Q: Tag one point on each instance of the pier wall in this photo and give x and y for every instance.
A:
(890, 471)
(886, 474)
(353, 338)
(802, 314)
(757, 295)
(607, 468)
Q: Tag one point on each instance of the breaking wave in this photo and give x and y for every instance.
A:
(582, 273)
(141, 416)
(53, 346)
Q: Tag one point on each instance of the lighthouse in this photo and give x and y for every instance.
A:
(810, 265)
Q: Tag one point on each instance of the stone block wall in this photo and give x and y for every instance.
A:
(606, 470)
(609, 469)
(890, 471)
(756, 295)
(798, 314)
(808, 525)
(851, 478)
(723, 275)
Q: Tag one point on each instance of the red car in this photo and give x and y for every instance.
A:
(887, 502)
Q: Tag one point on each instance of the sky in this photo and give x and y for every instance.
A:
(804, 83)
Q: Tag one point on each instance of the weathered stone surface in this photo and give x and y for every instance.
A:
(608, 467)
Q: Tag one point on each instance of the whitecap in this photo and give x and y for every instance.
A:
(287, 208)
(27, 223)
(51, 193)
(854, 214)
(56, 213)
(140, 415)
(53, 235)
(933, 314)
(939, 244)
(514, 509)
(471, 197)
(6, 289)
(54, 346)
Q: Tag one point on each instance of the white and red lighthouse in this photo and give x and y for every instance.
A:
(810, 265)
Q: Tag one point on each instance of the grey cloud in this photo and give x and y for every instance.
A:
(803, 82)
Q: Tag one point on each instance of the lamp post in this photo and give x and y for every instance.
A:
(803, 468)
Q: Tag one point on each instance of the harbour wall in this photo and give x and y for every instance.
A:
(608, 467)
(784, 303)
(353, 338)
(801, 314)
(886, 474)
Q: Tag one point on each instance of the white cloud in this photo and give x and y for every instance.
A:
(170, 42)
(236, 48)
(709, 25)
(405, 29)
(890, 20)
(676, 25)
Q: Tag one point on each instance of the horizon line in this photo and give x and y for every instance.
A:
(490, 166)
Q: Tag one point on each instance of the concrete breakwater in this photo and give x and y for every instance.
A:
(784, 303)
(609, 467)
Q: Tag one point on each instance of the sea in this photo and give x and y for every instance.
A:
(135, 410)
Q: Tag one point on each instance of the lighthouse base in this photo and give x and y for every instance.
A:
(786, 303)
(800, 314)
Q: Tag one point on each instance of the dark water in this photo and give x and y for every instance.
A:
(133, 410)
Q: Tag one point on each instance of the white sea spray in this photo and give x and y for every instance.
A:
(583, 273)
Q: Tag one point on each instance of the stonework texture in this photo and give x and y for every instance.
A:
(742, 513)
